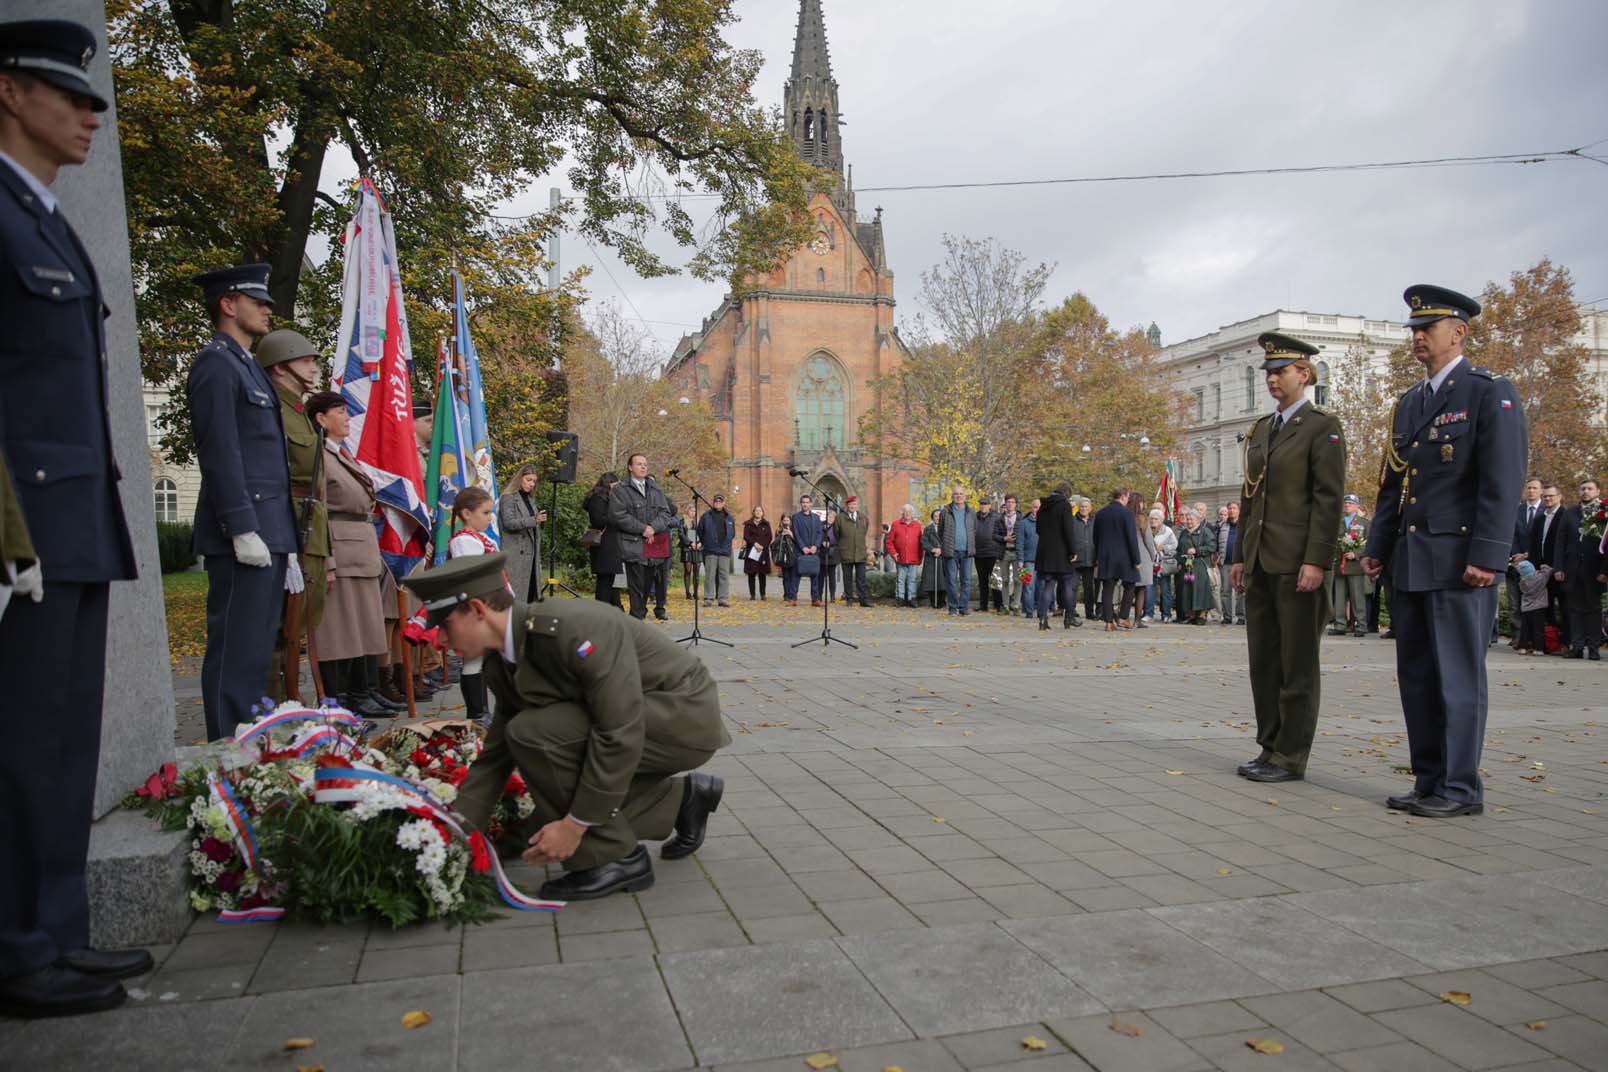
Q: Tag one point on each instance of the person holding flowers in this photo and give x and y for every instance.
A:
(1583, 571)
(1195, 547)
(1346, 584)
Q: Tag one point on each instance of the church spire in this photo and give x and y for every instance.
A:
(809, 99)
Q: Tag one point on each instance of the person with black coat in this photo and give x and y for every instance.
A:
(1547, 541)
(1054, 564)
(606, 554)
(1116, 558)
(1581, 555)
(990, 549)
(1083, 559)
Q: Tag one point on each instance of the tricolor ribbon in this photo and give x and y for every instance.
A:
(260, 914)
(298, 714)
(341, 784)
(234, 817)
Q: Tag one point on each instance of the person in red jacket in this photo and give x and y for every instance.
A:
(904, 544)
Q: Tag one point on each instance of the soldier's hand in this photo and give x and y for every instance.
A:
(249, 550)
(295, 583)
(1310, 578)
(1236, 576)
(1372, 568)
(555, 842)
(31, 583)
(1475, 577)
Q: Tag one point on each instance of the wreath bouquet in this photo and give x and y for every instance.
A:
(1593, 519)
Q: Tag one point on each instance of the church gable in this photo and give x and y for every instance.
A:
(834, 261)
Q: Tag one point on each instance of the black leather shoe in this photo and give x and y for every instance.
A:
(632, 874)
(109, 963)
(385, 702)
(1591, 655)
(1388, 634)
(1272, 772)
(1405, 801)
(697, 804)
(1441, 808)
(1575, 653)
(1244, 768)
(57, 991)
(365, 706)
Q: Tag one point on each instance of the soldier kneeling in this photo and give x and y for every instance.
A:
(600, 714)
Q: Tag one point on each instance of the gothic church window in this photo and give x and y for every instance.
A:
(819, 405)
(820, 275)
(809, 124)
(823, 132)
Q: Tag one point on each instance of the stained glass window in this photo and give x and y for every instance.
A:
(819, 406)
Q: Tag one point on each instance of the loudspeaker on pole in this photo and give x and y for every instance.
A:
(568, 453)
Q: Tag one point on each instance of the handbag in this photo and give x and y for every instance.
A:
(592, 538)
(782, 552)
(809, 565)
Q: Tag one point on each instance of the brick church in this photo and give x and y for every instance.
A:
(787, 365)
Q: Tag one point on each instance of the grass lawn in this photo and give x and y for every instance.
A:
(185, 595)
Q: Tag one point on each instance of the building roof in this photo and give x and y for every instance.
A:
(811, 59)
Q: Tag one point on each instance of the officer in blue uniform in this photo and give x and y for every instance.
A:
(56, 438)
(1443, 528)
(245, 527)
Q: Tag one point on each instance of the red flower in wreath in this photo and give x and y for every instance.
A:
(216, 851)
(330, 759)
(515, 786)
(479, 853)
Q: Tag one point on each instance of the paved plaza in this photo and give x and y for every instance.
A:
(971, 845)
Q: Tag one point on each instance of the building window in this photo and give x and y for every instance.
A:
(1217, 401)
(153, 433)
(1200, 404)
(1250, 389)
(1217, 461)
(820, 275)
(166, 499)
(819, 405)
(1200, 464)
(823, 132)
(1320, 390)
(809, 124)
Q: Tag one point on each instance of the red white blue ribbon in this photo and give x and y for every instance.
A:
(341, 784)
(234, 817)
(260, 914)
(298, 714)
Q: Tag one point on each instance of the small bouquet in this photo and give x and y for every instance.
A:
(1026, 577)
(1351, 541)
(1593, 519)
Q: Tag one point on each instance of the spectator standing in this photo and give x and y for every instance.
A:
(1013, 581)
(932, 563)
(829, 555)
(1347, 580)
(1055, 562)
(885, 561)
(1520, 550)
(520, 521)
(957, 536)
(990, 549)
(1082, 562)
(1195, 548)
(1116, 559)
(1582, 566)
(1026, 555)
(1230, 602)
(1531, 637)
(1145, 595)
(638, 509)
(904, 547)
(757, 535)
(849, 536)
(691, 557)
(657, 552)
(784, 553)
(810, 534)
(716, 530)
(603, 540)
(1166, 544)
(1544, 550)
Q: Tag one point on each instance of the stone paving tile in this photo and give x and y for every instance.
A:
(708, 930)
(1323, 1023)
(1231, 1053)
(1381, 995)
(149, 1038)
(380, 964)
(1493, 999)
(609, 945)
(359, 1029)
(1152, 1050)
(1534, 974)
(307, 956)
(1460, 1037)
(1207, 1018)
(1580, 1039)
(1002, 1046)
(1396, 1057)
(508, 947)
(870, 915)
(770, 1000)
(1590, 998)
(789, 928)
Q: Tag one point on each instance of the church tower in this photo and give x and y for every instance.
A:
(810, 103)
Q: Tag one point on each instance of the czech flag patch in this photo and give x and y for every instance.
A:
(1507, 403)
(585, 649)
(1334, 439)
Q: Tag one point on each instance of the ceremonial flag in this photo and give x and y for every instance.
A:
(478, 446)
(1167, 493)
(371, 371)
(449, 462)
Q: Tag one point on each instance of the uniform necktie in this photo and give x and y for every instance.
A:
(1278, 425)
(1424, 396)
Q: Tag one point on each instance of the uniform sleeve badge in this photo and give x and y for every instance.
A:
(1334, 439)
(585, 649)
(1507, 403)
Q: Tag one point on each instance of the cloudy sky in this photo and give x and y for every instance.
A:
(944, 91)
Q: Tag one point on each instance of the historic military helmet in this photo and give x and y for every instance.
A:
(248, 279)
(422, 408)
(283, 345)
(1427, 304)
(1280, 350)
(54, 51)
(457, 581)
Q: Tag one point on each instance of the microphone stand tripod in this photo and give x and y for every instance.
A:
(697, 634)
(553, 583)
(825, 636)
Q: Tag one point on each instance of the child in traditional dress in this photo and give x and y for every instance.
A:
(472, 511)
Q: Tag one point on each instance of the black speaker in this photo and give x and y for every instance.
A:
(568, 453)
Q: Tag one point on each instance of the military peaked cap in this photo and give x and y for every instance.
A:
(248, 279)
(1281, 350)
(455, 582)
(54, 51)
(1427, 304)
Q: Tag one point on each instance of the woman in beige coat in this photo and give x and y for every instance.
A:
(352, 633)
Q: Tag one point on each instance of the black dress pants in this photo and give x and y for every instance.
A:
(1112, 607)
(604, 591)
(985, 571)
(639, 585)
(53, 657)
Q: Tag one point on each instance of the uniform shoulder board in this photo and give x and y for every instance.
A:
(1319, 409)
(542, 625)
(1483, 373)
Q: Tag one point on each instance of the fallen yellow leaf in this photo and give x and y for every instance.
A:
(1131, 1030)
(298, 1043)
(1267, 1046)
(939, 819)
(1273, 802)
(1537, 1025)
(1225, 870)
(1457, 997)
(1175, 772)
(309, 1068)
(1033, 1044)
(416, 1018)
(821, 1060)
(892, 1068)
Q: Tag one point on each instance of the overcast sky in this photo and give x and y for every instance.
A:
(944, 91)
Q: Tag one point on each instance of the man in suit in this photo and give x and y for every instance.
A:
(1347, 583)
(600, 713)
(245, 527)
(1232, 602)
(1546, 549)
(55, 437)
(1443, 528)
(1521, 550)
(1116, 559)
(1580, 556)
(1295, 472)
(638, 509)
(810, 532)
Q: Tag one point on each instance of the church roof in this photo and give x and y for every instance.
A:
(810, 56)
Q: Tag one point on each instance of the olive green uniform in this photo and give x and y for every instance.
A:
(301, 448)
(599, 713)
(15, 546)
(1289, 517)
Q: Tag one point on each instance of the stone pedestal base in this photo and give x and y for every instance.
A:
(136, 882)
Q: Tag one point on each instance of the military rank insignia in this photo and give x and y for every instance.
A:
(585, 649)
(1446, 452)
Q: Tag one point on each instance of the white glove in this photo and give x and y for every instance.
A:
(251, 551)
(294, 582)
(30, 582)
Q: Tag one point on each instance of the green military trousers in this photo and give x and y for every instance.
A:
(549, 745)
(315, 575)
(1284, 629)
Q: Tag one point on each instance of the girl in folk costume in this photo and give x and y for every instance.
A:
(472, 511)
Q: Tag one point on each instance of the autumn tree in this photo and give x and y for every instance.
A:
(1526, 332)
(238, 119)
(1363, 388)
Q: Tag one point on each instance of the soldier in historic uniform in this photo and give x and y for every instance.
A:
(1347, 585)
(244, 525)
(1295, 472)
(599, 712)
(1443, 529)
(292, 366)
(56, 438)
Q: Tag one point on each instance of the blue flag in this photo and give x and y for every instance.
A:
(478, 444)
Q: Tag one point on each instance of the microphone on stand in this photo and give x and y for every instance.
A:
(672, 472)
(798, 472)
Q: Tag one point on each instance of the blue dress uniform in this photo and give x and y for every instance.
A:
(56, 436)
(1453, 470)
(245, 487)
